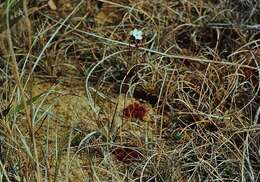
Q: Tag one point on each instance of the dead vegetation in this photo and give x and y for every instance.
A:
(82, 100)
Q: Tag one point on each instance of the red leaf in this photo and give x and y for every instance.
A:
(126, 154)
(135, 110)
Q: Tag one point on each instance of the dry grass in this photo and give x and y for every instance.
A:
(70, 73)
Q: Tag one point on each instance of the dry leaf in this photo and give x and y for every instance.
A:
(52, 5)
(101, 18)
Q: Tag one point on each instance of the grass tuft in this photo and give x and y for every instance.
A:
(126, 90)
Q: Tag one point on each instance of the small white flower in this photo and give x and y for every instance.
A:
(137, 34)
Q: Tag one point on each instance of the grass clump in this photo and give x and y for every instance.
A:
(129, 90)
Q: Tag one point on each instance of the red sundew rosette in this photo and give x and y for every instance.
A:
(135, 110)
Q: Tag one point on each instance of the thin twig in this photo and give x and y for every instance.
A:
(16, 76)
